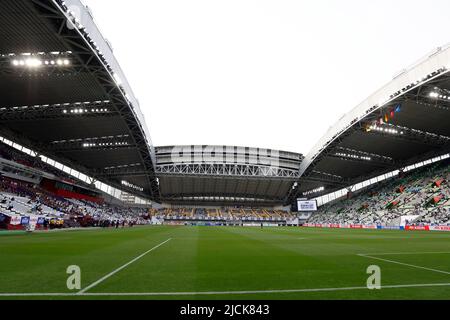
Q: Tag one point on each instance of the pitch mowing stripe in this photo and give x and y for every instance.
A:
(421, 285)
(121, 268)
(404, 264)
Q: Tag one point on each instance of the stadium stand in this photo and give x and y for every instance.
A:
(9, 153)
(224, 214)
(423, 194)
(19, 199)
(23, 197)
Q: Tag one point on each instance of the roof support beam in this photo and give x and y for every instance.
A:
(227, 170)
(121, 173)
(360, 161)
(79, 147)
(168, 197)
(362, 155)
(100, 109)
(410, 135)
(326, 180)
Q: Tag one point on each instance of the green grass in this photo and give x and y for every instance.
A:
(205, 259)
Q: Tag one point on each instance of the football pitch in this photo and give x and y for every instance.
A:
(167, 262)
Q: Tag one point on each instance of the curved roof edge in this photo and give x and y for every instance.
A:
(82, 19)
(426, 69)
(228, 149)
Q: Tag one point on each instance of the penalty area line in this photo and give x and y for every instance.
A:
(120, 268)
(205, 293)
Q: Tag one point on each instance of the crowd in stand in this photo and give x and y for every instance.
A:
(18, 198)
(228, 214)
(423, 194)
(23, 199)
(440, 216)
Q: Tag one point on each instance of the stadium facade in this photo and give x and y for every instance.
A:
(79, 110)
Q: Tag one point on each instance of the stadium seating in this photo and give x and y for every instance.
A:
(424, 194)
(9, 153)
(222, 214)
(24, 199)
(20, 199)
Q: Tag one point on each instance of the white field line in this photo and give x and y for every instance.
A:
(421, 285)
(8, 233)
(12, 295)
(403, 264)
(400, 253)
(121, 268)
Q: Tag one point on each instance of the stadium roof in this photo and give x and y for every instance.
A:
(225, 175)
(404, 122)
(65, 96)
